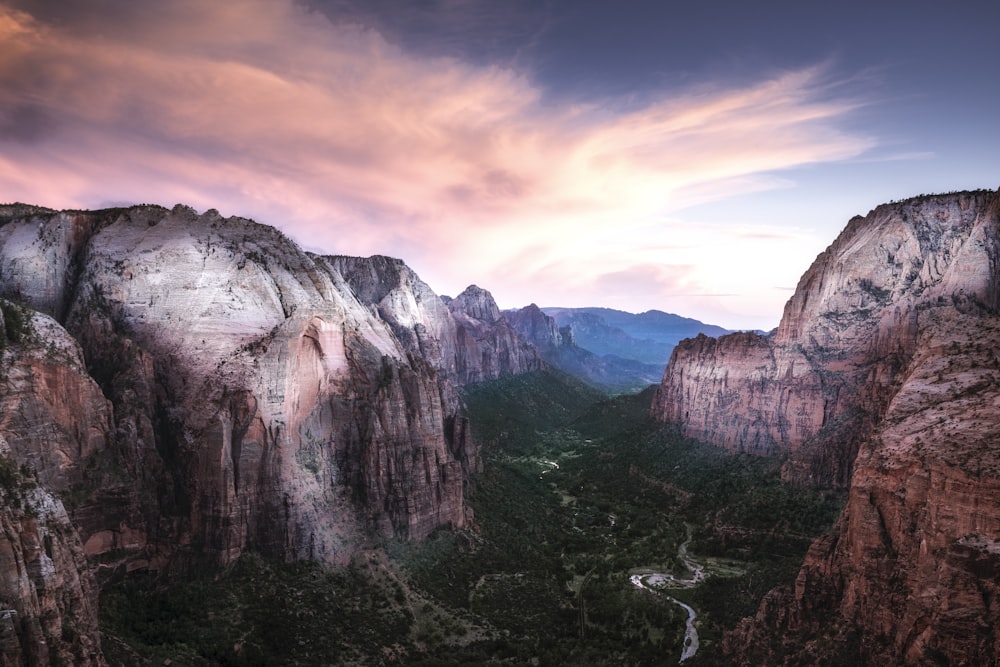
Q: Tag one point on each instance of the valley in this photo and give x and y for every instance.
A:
(579, 494)
(219, 449)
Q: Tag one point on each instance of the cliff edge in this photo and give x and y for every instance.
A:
(194, 387)
(882, 377)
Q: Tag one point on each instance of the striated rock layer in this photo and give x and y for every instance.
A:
(882, 375)
(814, 387)
(199, 386)
(48, 604)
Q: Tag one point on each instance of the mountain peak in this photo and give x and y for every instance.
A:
(477, 303)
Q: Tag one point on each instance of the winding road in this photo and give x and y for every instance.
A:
(658, 581)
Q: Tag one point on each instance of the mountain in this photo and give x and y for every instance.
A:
(647, 337)
(193, 387)
(883, 378)
(558, 347)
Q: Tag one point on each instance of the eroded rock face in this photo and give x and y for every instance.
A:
(48, 610)
(815, 387)
(486, 345)
(742, 393)
(882, 373)
(254, 396)
(54, 420)
(910, 573)
(52, 414)
(216, 389)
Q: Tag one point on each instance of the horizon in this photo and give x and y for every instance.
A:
(692, 160)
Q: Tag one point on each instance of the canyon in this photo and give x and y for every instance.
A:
(179, 391)
(882, 378)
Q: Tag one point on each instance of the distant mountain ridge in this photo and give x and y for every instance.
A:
(647, 337)
(558, 346)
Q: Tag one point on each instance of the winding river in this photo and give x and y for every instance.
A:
(660, 581)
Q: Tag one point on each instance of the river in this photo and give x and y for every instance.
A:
(658, 581)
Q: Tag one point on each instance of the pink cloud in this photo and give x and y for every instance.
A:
(263, 108)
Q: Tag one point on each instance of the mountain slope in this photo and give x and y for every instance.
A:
(881, 377)
(645, 337)
(201, 387)
(558, 346)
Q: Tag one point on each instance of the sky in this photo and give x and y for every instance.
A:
(689, 156)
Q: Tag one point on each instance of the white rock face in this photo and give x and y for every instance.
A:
(263, 397)
(217, 389)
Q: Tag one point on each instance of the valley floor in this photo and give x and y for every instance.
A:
(579, 494)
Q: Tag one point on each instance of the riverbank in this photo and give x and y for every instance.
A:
(656, 582)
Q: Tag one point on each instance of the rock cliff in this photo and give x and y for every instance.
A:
(882, 376)
(814, 388)
(486, 345)
(48, 610)
(195, 386)
(53, 420)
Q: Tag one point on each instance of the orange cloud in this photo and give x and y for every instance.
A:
(349, 144)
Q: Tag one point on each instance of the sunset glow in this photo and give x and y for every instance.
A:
(354, 142)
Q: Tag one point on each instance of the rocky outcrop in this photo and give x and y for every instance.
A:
(52, 413)
(220, 389)
(742, 393)
(195, 386)
(910, 573)
(486, 345)
(53, 421)
(48, 610)
(814, 388)
(882, 373)
(476, 304)
(464, 338)
(540, 329)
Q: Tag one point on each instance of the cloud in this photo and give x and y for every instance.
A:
(475, 31)
(24, 123)
(352, 145)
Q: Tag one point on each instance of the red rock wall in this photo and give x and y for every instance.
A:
(898, 326)
(846, 336)
(48, 601)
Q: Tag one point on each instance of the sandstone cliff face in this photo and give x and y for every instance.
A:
(464, 338)
(887, 349)
(53, 420)
(52, 413)
(486, 345)
(911, 569)
(48, 611)
(814, 388)
(254, 396)
(216, 389)
(540, 329)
